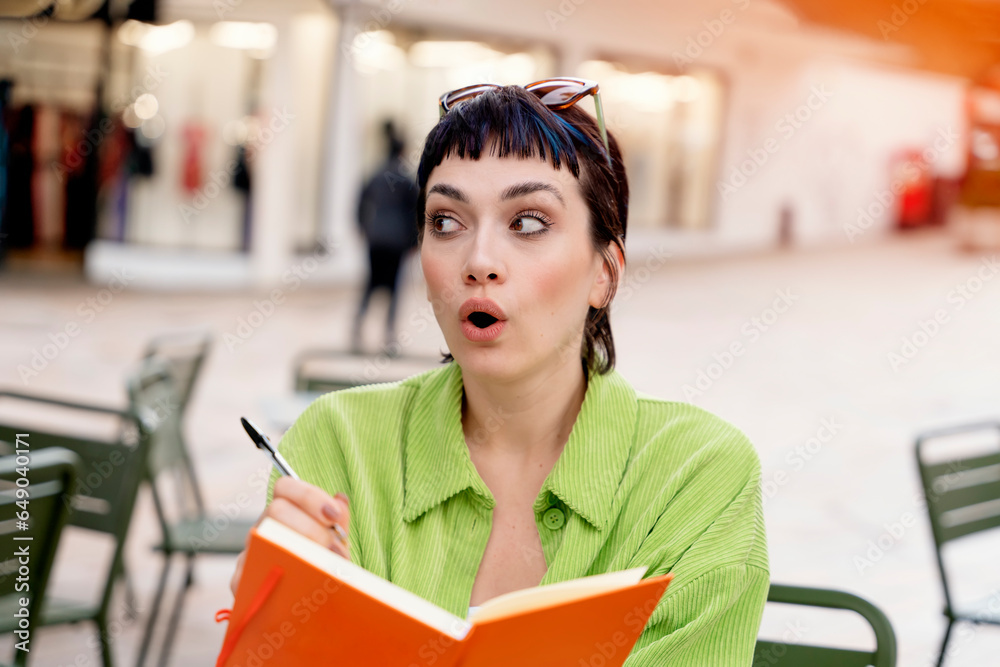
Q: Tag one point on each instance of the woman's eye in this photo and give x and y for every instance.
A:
(444, 225)
(527, 224)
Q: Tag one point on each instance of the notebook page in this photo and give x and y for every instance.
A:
(525, 599)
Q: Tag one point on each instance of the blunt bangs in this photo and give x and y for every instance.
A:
(511, 122)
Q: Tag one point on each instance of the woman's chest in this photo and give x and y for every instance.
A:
(513, 558)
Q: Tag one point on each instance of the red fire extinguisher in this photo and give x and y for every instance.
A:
(910, 179)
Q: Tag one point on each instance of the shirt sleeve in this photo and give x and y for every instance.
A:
(711, 612)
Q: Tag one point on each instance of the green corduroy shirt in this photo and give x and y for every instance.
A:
(640, 482)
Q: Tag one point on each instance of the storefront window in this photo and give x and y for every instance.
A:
(402, 76)
(669, 128)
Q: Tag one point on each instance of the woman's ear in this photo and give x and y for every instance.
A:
(600, 291)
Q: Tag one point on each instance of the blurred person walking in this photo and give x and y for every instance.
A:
(386, 211)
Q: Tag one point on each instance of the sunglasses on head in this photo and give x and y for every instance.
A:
(558, 93)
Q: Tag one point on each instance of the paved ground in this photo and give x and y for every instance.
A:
(815, 388)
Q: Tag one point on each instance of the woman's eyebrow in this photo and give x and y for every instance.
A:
(527, 187)
(449, 191)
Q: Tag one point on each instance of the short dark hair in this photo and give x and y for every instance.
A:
(513, 122)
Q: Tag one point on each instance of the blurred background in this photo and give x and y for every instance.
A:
(814, 222)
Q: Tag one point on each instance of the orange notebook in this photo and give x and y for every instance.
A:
(301, 604)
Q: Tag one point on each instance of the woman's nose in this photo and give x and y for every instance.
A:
(483, 266)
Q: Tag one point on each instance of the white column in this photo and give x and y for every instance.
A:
(274, 202)
(569, 56)
(341, 177)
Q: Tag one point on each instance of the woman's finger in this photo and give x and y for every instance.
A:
(293, 516)
(323, 507)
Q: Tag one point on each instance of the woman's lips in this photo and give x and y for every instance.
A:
(477, 335)
(488, 306)
(481, 305)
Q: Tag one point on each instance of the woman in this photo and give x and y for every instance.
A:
(527, 459)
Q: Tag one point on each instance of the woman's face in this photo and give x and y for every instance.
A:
(515, 232)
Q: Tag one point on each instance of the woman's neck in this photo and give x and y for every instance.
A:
(527, 418)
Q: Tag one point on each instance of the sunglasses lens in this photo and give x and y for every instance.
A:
(559, 94)
(462, 94)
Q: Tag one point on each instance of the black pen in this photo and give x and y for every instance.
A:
(279, 461)
(263, 443)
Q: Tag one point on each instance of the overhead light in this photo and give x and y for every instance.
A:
(243, 35)
(156, 39)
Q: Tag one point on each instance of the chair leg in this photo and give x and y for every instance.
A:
(175, 617)
(20, 658)
(944, 644)
(154, 610)
(102, 629)
(131, 602)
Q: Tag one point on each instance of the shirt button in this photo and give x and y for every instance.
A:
(554, 518)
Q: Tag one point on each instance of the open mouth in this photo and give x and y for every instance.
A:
(481, 319)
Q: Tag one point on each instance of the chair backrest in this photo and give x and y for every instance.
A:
(962, 492)
(185, 355)
(34, 487)
(111, 471)
(325, 370)
(787, 654)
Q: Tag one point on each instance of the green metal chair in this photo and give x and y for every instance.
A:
(51, 475)
(787, 654)
(325, 370)
(187, 528)
(107, 491)
(963, 498)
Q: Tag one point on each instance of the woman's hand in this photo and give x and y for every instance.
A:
(306, 509)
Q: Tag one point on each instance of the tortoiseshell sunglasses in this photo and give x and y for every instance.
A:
(558, 93)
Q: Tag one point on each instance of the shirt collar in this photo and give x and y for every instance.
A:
(586, 476)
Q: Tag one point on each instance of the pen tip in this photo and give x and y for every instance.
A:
(249, 428)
